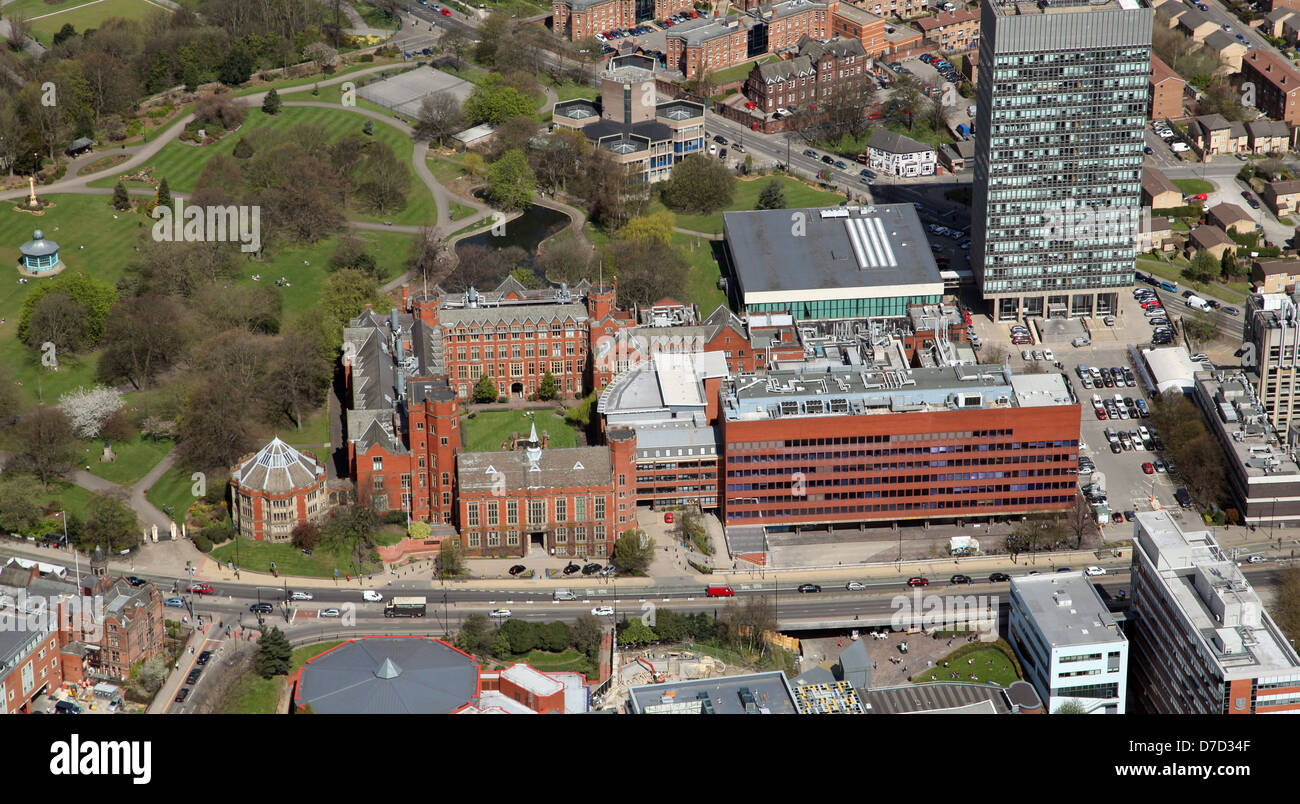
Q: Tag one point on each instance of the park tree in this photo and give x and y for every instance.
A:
(143, 337)
(213, 431)
(271, 103)
(511, 183)
(274, 654)
(431, 256)
(321, 54)
(647, 270)
(300, 377)
(567, 259)
(347, 292)
(153, 673)
(699, 185)
(547, 389)
(19, 510)
(748, 621)
(384, 180)
(438, 118)
(46, 445)
(351, 252)
(305, 535)
(236, 66)
(88, 408)
(110, 523)
(485, 390)
(657, 227)
(501, 645)
(634, 551)
(494, 102)
(454, 42)
(93, 299)
(1229, 264)
(242, 149)
(522, 634)
(636, 633)
(772, 196)
(586, 633)
(475, 634)
(1204, 267)
(163, 195)
(554, 636)
(121, 200)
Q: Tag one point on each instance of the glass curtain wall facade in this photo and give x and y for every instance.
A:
(1058, 156)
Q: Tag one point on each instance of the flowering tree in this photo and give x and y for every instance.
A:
(89, 408)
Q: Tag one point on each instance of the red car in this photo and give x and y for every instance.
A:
(1197, 197)
(668, 517)
(201, 588)
(695, 14)
(1148, 468)
(749, 105)
(918, 581)
(446, 12)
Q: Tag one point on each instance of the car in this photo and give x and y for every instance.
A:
(174, 602)
(1159, 322)
(1198, 357)
(201, 588)
(866, 174)
(1231, 310)
(722, 154)
(371, 596)
(603, 611)
(841, 165)
(1252, 201)
(713, 150)
(517, 569)
(182, 694)
(134, 581)
(737, 147)
(1037, 355)
(261, 608)
(960, 579)
(1256, 559)
(300, 595)
(1147, 149)
(750, 105)
(204, 657)
(1026, 354)
(608, 571)
(916, 580)
(808, 152)
(999, 577)
(1148, 468)
(856, 586)
(1047, 355)
(329, 613)
(499, 613)
(1065, 569)
(446, 12)
(1160, 467)
(1085, 469)
(719, 139)
(1094, 571)
(805, 588)
(572, 568)
(591, 569)
(1115, 447)
(1197, 197)
(305, 551)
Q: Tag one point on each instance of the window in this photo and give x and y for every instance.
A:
(600, 508)
(561, 509)
(536, 512)
(512, 512)
(579, 508)
(492, 514)
(377, 464)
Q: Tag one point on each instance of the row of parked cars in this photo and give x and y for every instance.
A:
(944, 68)
(1020, 335)
(678, 19)
(1162, 331)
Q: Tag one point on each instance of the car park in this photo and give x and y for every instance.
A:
(1160, 467)
(805, 588)
(1148, 468)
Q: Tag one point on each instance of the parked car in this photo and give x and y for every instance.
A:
(134, 581)
(591, 569)
(517, 569)
(808, 152)
(572, 568)
(204, 657)
(805, 588)
(182, 694)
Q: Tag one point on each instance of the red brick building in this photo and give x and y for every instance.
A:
(853, 22)
(132, 632)
(953, 31)
(705, 46)
(1166, 91)
(823, 447)
(569, 502)
(1277, 85)
(821, 74)
(276, 489)
(579, 19)
(30, 662)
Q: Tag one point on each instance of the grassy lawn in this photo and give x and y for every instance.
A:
(473, 227)
(797, 195)
(923, 131)
(373, 17)
(569, 90)
(391, 250)
(1233, 292)
(570, 661)
(75, 221)
(1190, 186)
(702, 282)
(445, 169)
(300, 656)
(982, 666)
(315, 430)
(738, 73)
(254, 695)
(182, 163)
(172, 492)
(286, 83)
(134, 459)
(257, 556)
(47, 19)
(459, 210)
(73, 498)
(488, 429)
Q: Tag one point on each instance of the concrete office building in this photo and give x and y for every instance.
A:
(1202, 642)
(1273, 331)
(1059, 131)
(1068, 643)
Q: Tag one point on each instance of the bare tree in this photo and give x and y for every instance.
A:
(19, 28)
(439, 117)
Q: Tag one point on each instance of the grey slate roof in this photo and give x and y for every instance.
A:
(1212, 122)
(1220, 40)
(1268, 128)
(278, 468)
(384, 675)
(892, 142)
(560, 467)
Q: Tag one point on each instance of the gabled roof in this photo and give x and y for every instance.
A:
(1206, 236)
(1229, 213)
(1156, 183)
(882, 139)
(1161, 72)
(1212, 122)
(1220, 41)
(1268, 129)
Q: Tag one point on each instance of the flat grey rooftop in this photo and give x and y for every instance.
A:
(946, 698)
(1067, 609)
(858, 251)
(719, 696)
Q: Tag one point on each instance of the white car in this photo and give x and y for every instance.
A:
(856, 586)
(1094, 571)
(1026, 354)
(500, 613)
(782, 111)
(603, 611)
(713, 150)
(330, 613)
(372, 596)
(300, 595)
(1257, 559)
(1047, 355)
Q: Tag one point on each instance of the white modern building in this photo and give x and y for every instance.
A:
(1068, 643)
(897, 155)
